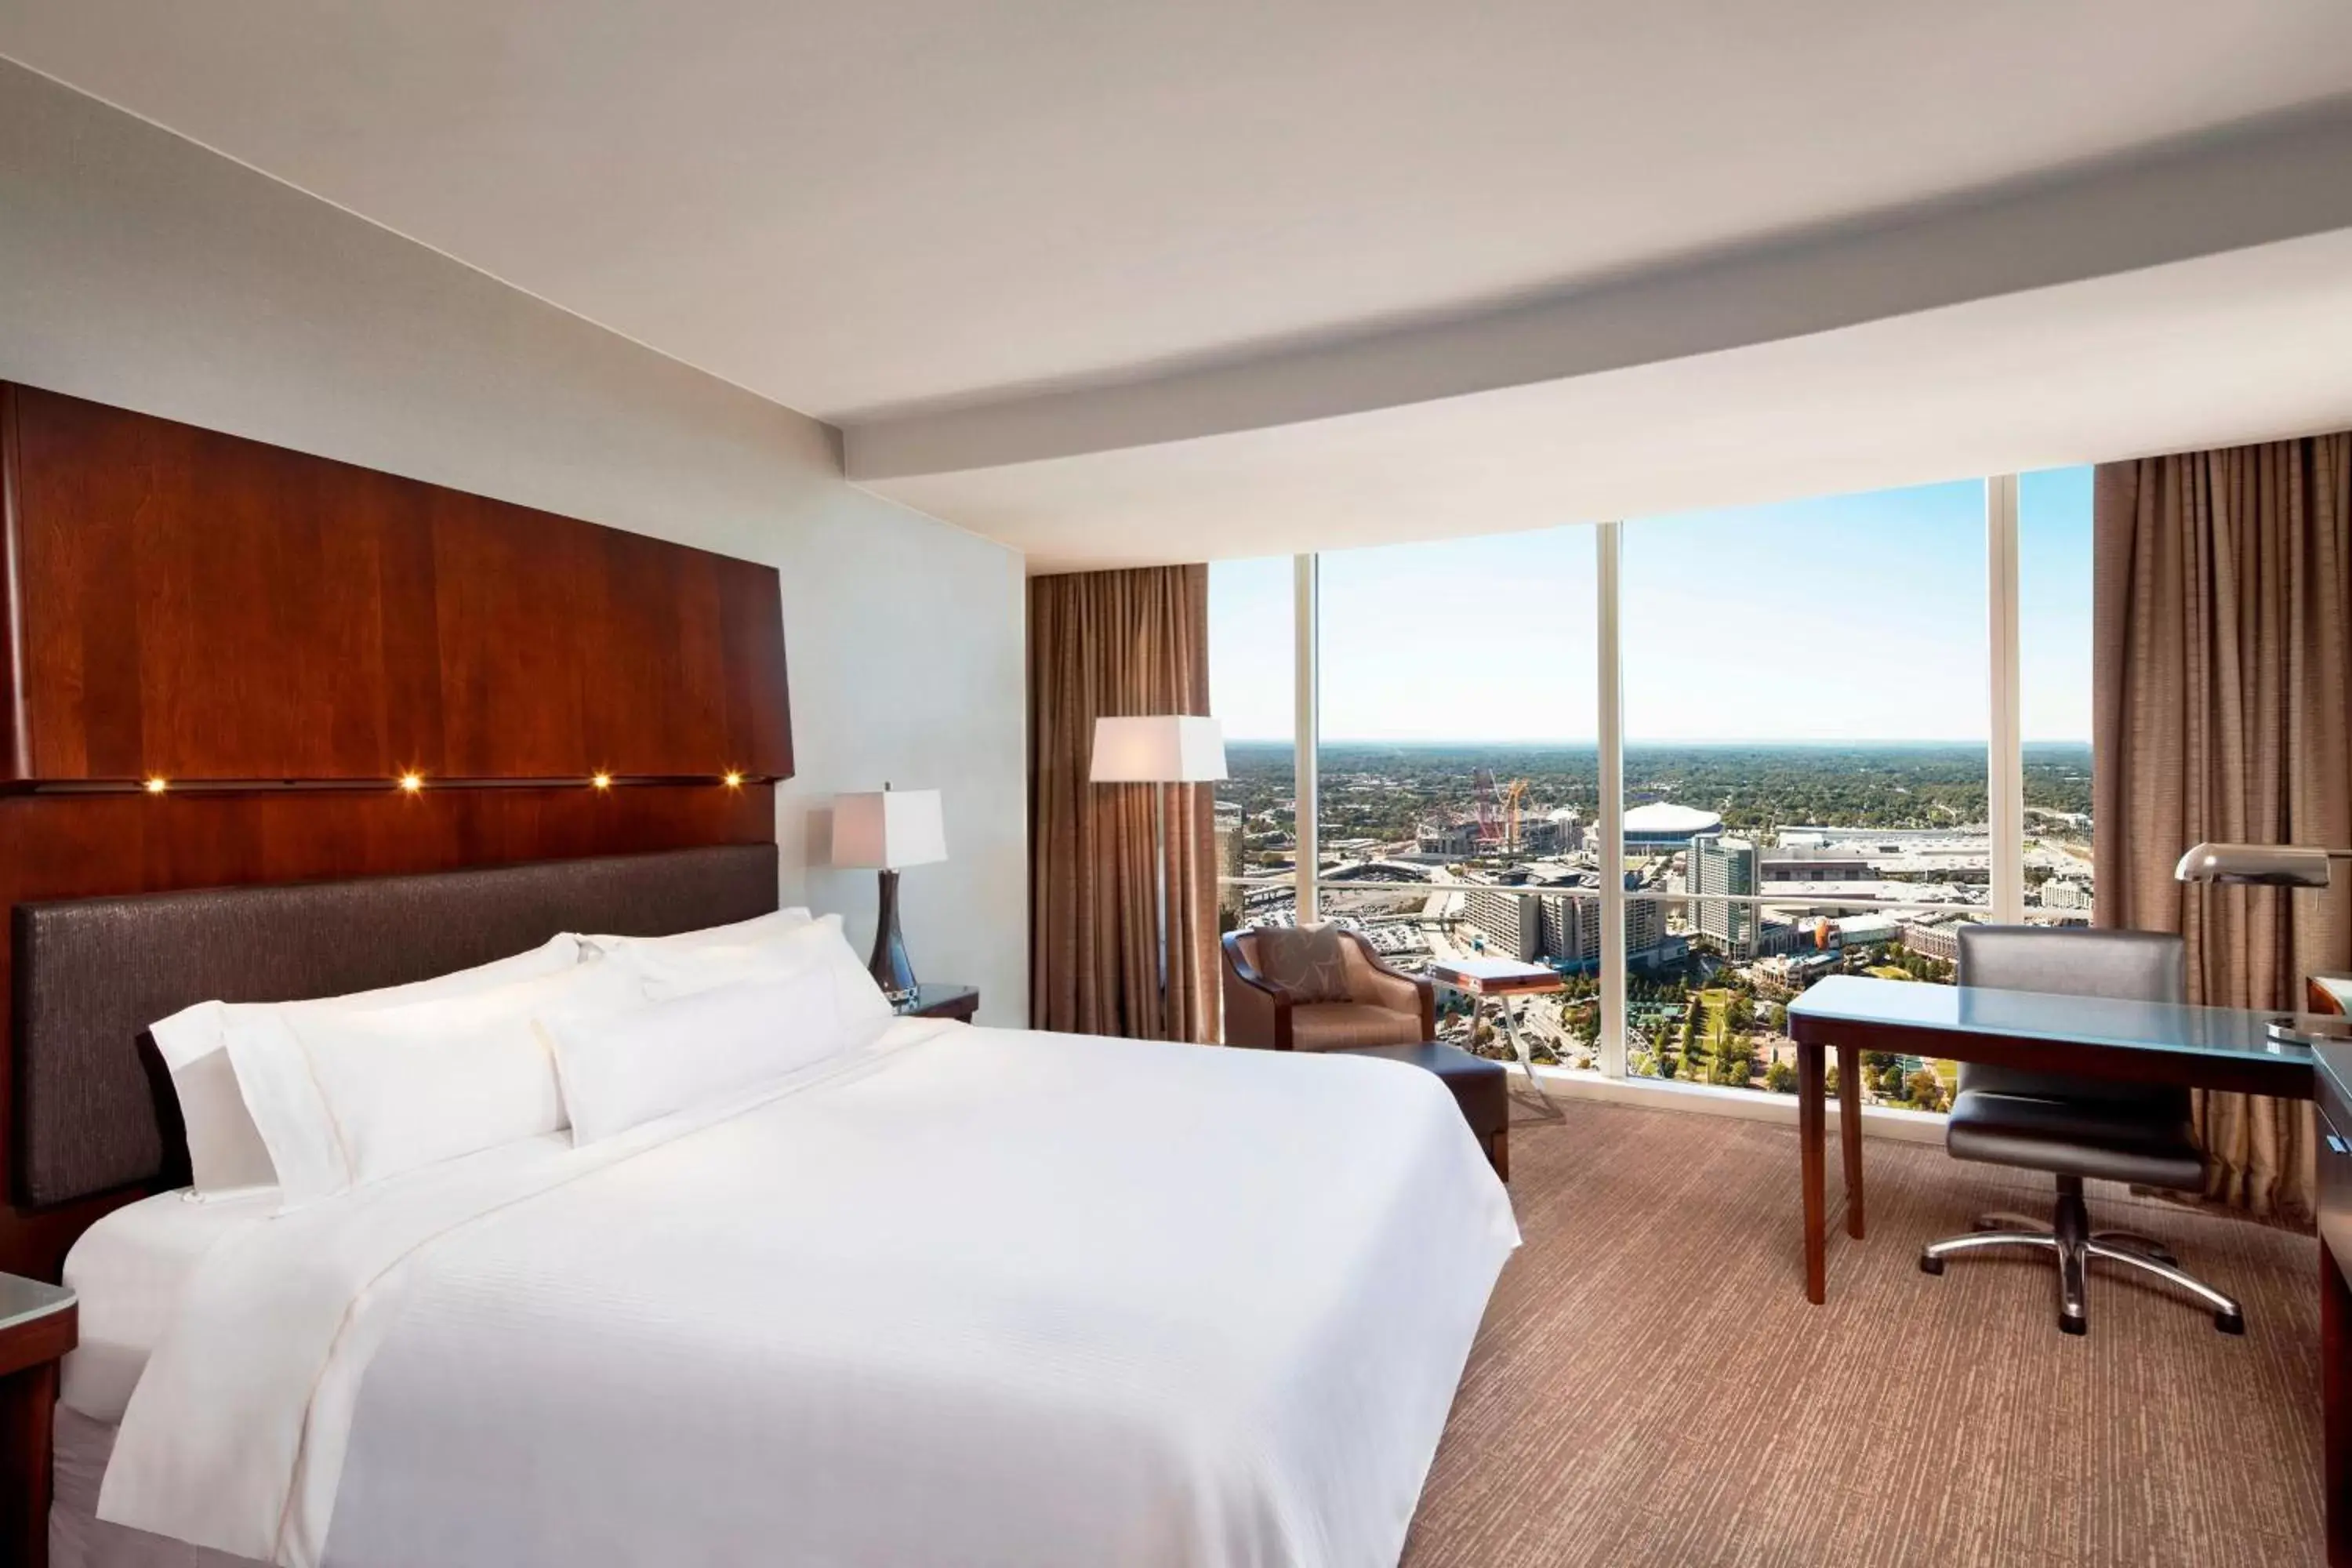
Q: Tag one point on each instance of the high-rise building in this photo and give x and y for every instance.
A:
(1721, 864)
(1232, 859)
(1571, 929)
(2065, 893)
(1510, 921)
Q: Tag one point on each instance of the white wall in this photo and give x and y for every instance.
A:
(142, 271)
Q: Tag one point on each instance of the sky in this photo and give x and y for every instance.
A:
(1857, 618)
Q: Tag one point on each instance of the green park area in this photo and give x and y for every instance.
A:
(1712, 1041)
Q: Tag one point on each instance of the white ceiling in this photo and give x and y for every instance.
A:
(870, 212)
(2250, 346)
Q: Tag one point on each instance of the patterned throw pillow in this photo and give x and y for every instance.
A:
(1308, 963)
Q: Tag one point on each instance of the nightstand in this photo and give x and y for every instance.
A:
(957, 1002)
(38, 1324)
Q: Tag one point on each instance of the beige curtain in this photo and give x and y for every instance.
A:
(2223, 664)
(1113, 643)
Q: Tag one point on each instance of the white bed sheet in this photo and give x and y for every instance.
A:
(966, 1296)
(129, 1269)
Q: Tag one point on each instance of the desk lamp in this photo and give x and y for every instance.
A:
(2272, 866)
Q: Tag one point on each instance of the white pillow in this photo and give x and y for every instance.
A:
(759, 928)
(621, 1070)
(226, 1153)
(345, 1097)
(818, 944)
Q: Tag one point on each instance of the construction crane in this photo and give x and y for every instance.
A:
(1490, 811)
(1512, 791)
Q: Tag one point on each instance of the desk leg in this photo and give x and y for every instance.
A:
(1850, 1134)
(1519, 1048)
(2336, 1403)
(1812, 1112)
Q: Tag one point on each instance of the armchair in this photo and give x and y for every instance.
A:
(1385, 1007)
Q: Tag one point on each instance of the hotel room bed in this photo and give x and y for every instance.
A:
(968, 1296)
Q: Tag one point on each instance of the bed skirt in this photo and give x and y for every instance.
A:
(79, 1539)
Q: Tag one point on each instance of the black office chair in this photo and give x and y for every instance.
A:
(2075, 1127)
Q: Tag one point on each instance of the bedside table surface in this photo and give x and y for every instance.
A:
(22, 1300)
(928, 998)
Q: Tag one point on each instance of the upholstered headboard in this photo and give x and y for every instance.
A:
(92, 1112)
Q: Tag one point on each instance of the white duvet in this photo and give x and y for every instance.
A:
(960, 1296)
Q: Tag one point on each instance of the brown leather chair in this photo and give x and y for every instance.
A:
(1385, 1007)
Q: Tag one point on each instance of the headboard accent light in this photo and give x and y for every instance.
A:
(92, 974)
(411, 782)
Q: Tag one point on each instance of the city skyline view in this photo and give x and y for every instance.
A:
(1805, 724)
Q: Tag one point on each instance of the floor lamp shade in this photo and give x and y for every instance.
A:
(883, 830)
(1159, 748)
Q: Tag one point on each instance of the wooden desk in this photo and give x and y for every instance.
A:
(2334, 1093)
(2088, 1037)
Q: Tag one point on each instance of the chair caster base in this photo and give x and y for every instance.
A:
(1930, 1265)
(2229, 1322)
(2067, 1325)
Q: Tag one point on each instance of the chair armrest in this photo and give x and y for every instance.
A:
(1258, 1011)
(1375, 982)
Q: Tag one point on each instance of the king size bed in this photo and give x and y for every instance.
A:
(874, 1291)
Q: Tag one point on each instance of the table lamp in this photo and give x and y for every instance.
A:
(884, 830)
(2272, 866)
(1158, 749)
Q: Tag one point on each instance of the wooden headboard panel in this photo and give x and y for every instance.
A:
(278, 637)
(194, 606)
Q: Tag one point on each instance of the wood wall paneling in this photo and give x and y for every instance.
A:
(200, 606)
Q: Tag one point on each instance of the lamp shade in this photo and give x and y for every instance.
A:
(1161, 748)
(888, 829)
(2261, 865)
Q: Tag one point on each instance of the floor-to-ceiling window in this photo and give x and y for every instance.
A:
(1806, 729)
(1252, 686)
(2054, 636)
(1458, 766)
(1811, 720)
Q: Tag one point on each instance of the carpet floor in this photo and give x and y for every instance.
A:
(1651, 1386)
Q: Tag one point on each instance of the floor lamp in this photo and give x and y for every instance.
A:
(1159, 749)
(2272, 866)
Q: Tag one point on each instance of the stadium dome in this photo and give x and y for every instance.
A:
(1667, 827)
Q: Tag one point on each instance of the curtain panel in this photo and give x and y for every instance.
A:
(2223, 666)
(1113, 644)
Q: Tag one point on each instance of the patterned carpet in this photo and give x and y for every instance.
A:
(1651, 1386)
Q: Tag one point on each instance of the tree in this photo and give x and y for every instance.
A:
(1735, 1064)
(1780, 1017)
(1926, 1090)
(1781, 1077)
